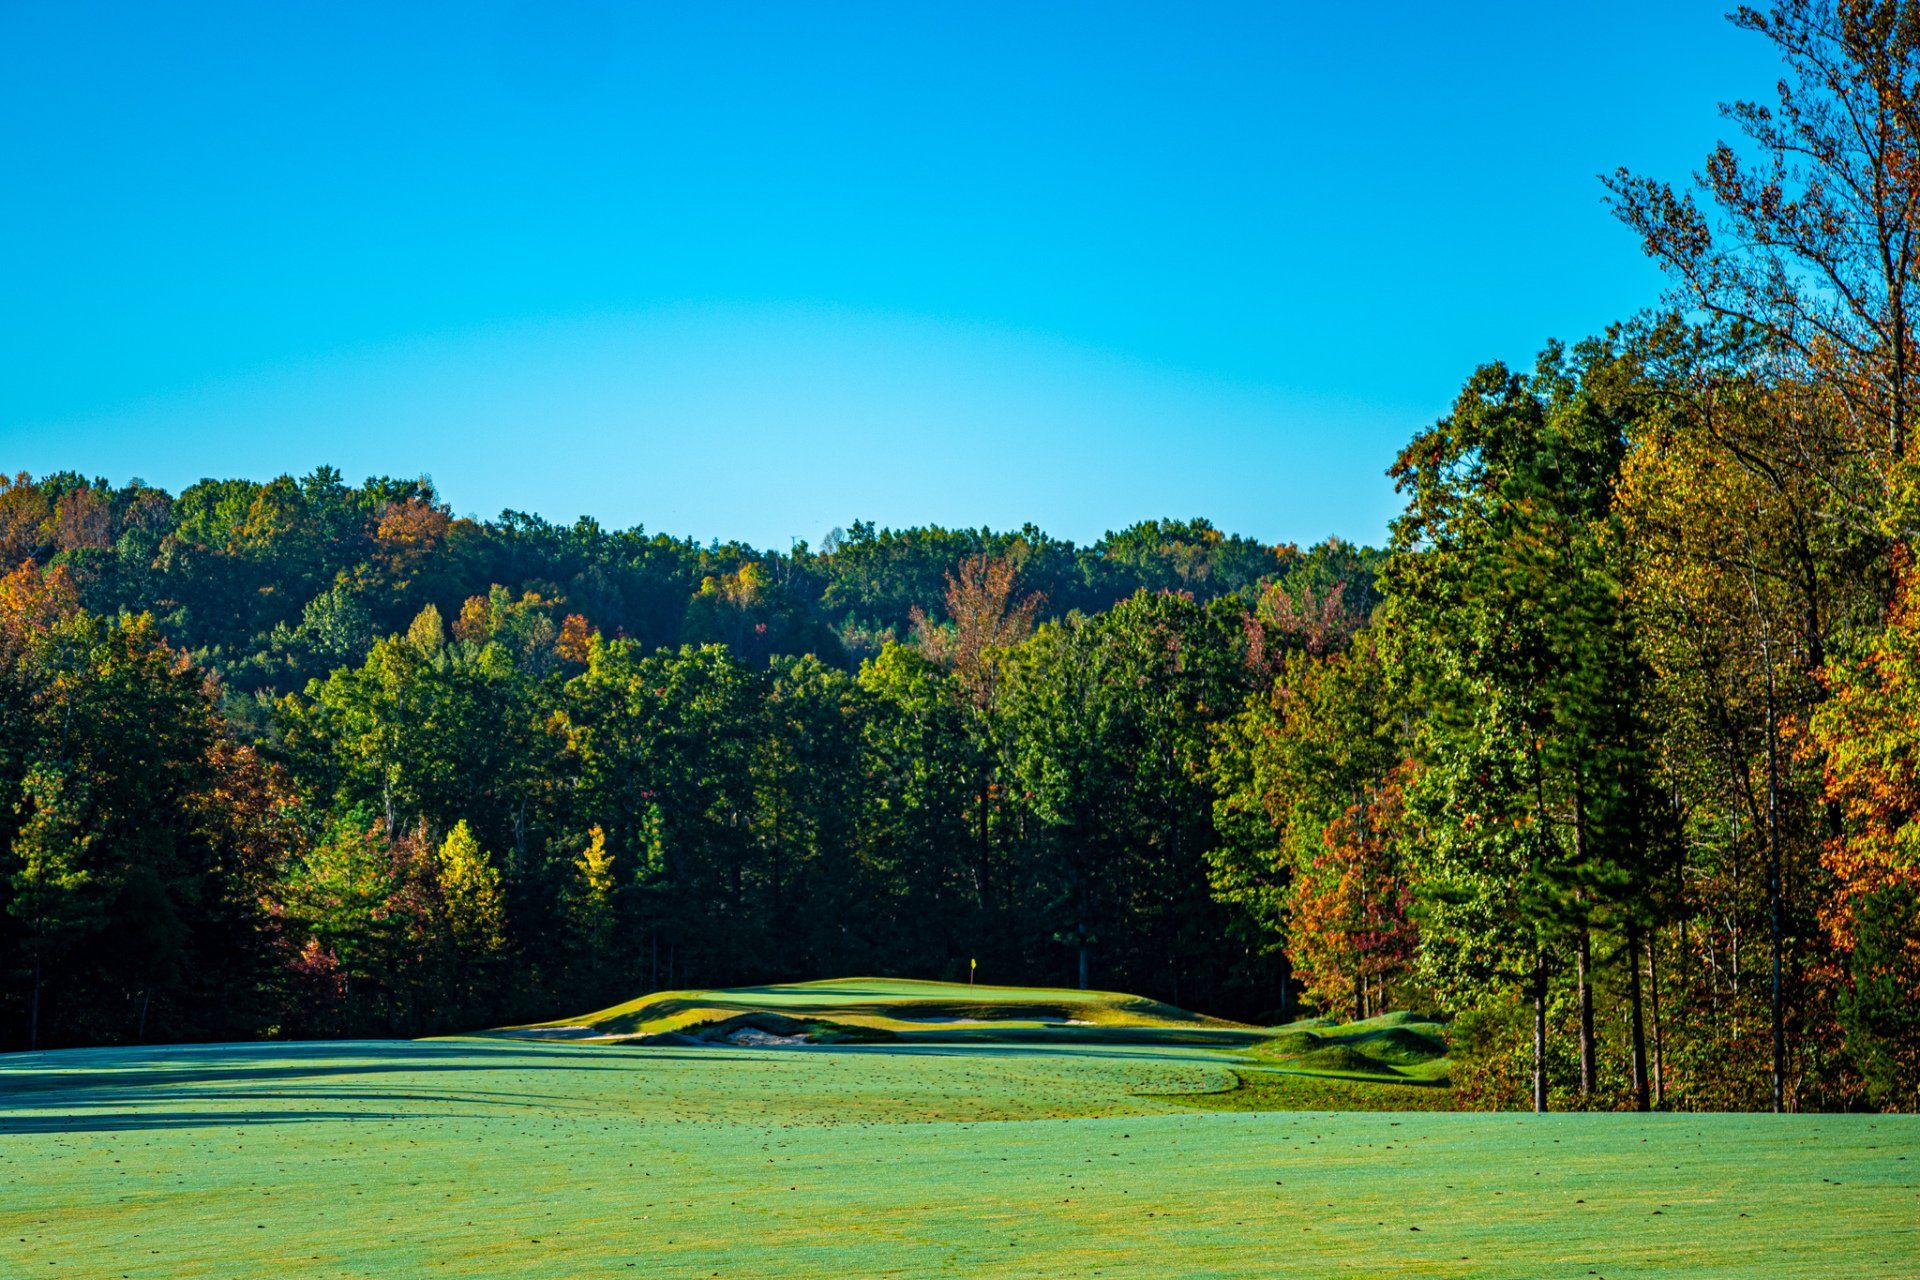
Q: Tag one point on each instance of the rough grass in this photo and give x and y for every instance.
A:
(496, 1156)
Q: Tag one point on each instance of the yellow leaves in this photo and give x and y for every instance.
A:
(596, 866)
(470, 889)
(742, 588)
(427, 633)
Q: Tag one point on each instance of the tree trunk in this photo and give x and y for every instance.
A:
(1659, 1042)
(982, 869)
(1638, 1020)
(1539, 952)
(1082, 927)
(1775, 927)
(33, 1010)
(1583, 964)
(1540, 1031)
(1583, 954)
(1773, 900)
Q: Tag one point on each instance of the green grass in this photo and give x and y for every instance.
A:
(497, 1156)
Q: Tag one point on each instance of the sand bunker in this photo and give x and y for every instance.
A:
(754, 1038)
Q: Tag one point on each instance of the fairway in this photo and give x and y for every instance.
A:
(490, 1157)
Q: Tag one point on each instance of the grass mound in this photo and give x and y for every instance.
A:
(884, 1010)
(1401, 1045)
(1290, 1044)
(1341, 1059)
(1400, 1048)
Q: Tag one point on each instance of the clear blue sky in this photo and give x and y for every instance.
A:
(760, 270)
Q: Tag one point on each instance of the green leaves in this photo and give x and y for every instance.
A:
(1107, 724)
(49, 887)
(1509, 629)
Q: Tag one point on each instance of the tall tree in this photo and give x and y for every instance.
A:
(1509, 625)
(1870, 731)
(49, 890)
(1743, 566)
(987, 617)
(923, 806)
(1811, 237)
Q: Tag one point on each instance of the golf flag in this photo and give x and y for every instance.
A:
(971, 966)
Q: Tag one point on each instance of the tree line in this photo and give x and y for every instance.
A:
(473, 770)
(1612, 753)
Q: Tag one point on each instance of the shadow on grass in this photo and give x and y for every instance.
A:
(160, 1066)
(79, 1090)
(916, 1047)
(135, 1121)
(1068, 1037)
(1280, 1090)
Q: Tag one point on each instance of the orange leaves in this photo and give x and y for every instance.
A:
(82, 518)
(1348, 909)
(31, 601)
(474, 624)
(410, 530)
(23, 514)
(576, 639)
(985, 617)
(250, 811)
(1870, 731)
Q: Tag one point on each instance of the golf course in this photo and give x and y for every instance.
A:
(873, 1127)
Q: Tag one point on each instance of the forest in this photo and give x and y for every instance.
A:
(1611, 754)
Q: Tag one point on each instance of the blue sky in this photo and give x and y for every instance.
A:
(760, 270)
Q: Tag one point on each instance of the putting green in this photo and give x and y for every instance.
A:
(889, 1010)
(492, 1157)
